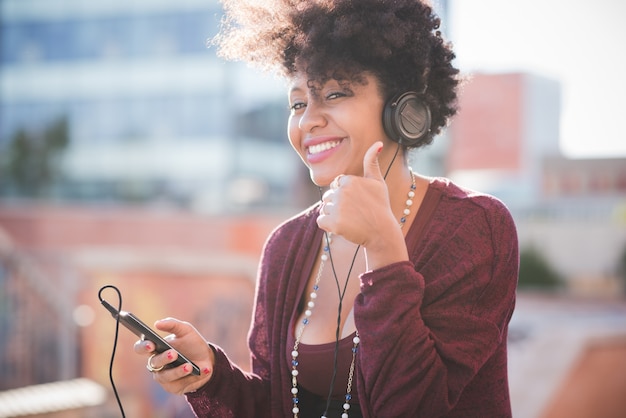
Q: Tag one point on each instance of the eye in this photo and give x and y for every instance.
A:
(335, 95)
(297, 106)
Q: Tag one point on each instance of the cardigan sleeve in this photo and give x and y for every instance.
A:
(231, 392)
(428, 327)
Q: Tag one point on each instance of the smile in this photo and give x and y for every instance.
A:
(324, 146)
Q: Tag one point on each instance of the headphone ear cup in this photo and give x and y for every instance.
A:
(406, 118)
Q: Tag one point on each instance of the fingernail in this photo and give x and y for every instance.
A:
(206, 370)
(186, 368)
(379, 149)
(170, 355)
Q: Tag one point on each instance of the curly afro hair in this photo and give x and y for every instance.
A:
(398, 41)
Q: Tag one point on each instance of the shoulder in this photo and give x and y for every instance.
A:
(455, 192)
(469, 231)
(463, 200)
(467, 214)
(287, 246)
(295, 228)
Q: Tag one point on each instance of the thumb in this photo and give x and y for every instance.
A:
(173, 326)
(371, 168)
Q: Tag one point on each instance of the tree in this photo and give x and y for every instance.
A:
(536, 272)
(31, 163)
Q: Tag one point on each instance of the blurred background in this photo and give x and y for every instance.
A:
(131, 155)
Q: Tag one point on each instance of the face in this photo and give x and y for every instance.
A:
(332, 128)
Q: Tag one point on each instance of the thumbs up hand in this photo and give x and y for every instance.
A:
(358, 209)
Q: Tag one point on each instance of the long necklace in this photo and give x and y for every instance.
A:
(309, 311)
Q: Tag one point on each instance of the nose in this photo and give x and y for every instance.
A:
(312, 117)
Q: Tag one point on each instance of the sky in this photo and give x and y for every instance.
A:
(581, 44)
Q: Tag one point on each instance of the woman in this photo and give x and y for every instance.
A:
(391, 297)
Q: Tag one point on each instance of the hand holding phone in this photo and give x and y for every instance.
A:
(144, 332)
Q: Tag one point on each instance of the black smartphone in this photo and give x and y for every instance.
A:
(144, 332)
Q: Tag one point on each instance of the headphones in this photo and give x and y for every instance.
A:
(406, 118)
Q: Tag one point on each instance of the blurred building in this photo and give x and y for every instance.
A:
(152, 112)
(506, 126)
(54, 261)
(505, 141)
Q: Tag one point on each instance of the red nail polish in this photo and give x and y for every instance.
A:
(206, 370)
(170, 355)
(379, 149)
(186, 368)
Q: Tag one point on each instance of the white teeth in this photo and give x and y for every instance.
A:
(324, 146)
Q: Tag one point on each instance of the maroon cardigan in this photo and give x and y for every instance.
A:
(433, 330)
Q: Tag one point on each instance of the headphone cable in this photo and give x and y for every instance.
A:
(117, 329)
(342, 293)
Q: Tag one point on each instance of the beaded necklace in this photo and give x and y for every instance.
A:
(309, 311)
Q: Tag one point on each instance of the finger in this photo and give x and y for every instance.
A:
(327, 197)
(144, 347)
(170, 375)
(327, 201)
(336, 182)
(158, 361)
(371, 168)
